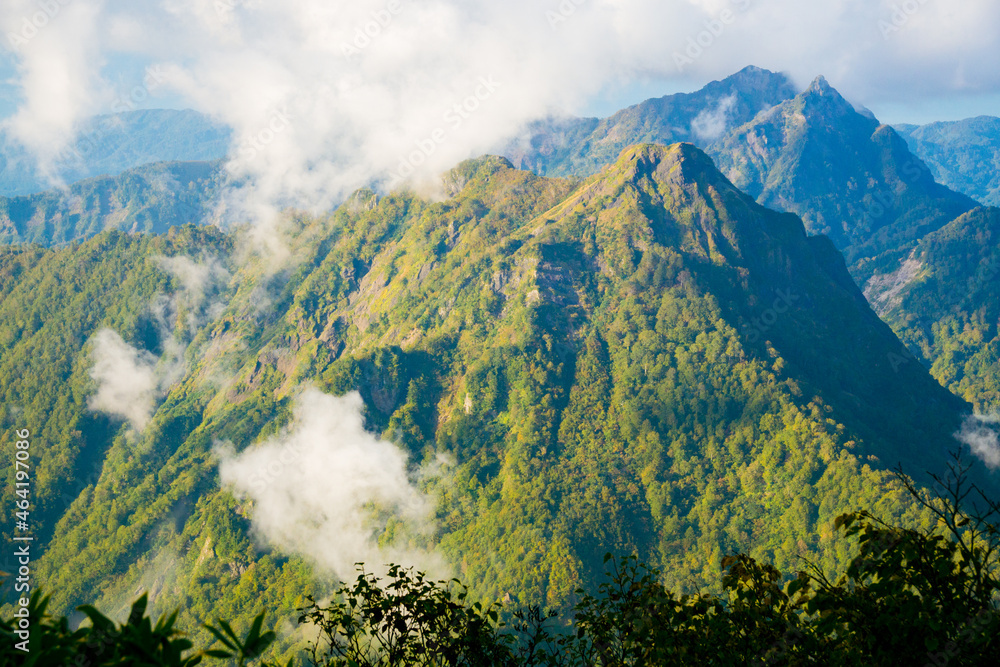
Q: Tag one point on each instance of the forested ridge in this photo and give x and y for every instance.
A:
(644, 362)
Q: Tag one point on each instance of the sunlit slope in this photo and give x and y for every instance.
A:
(645, 361)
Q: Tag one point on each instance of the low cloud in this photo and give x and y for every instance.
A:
(981, 435)
(130, 381)
(58, 50)
(201, 283)
(710, 124)
(325, 96)
(127, 386)
(328, 490)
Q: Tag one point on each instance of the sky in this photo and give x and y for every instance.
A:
(324, 95)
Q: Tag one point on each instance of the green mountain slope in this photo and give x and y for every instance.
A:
(847, 176)
(150, 198)
(646, 361)
(964, 154)
(581, 146)
(945, 304)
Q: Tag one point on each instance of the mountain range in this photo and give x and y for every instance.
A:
(963, 155)
(647, 360)
(671, 351)
(944, 302)
(150, 198)
(111, 144)
(811, 153)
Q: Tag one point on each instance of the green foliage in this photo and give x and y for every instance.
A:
(582, 146)
(150, 198)
(846, 175)
(407, 621)
(907, 597)
(104, 643)
(963, 154)
(245, 650)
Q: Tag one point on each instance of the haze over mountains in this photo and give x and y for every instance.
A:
(581, 146)
(109, 145)
(149, 198)
(964, 155)
(811, 153)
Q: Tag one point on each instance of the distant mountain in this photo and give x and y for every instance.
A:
(646, 361)
(964, 154)
(108, 145)
(813, 154)
(944, 302)
(846, 175)
(581, 146)
(150, 198)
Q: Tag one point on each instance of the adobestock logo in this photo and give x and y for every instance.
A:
(565, 9)
(759, 326)
(31, 25)
(714, 29)
(454, 117)
(300, 105)
(153, 79)
(365, 34)
(901, 15)
(881, 202)
(252, 144)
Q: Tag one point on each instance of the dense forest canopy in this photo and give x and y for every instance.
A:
(644, 362)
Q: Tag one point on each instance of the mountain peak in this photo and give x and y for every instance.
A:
(820, 85)
(681, 163)
(824, 96)
(755, 76)
(753, 81)
(677, 152)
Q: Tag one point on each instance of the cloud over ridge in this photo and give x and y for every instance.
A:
(325, 97)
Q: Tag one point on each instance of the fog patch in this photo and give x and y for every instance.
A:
(327, 489)
(980, 433)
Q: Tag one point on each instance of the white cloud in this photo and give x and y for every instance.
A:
(325, 96)
(130, 382)
(127, 386)
(200, 282)
(980, 433)
(711, 123)
(59, 56)
(326, 488)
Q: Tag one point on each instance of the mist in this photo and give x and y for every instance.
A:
(328, 490)
(130, 382)
(980, 433)
(127, 386)
(710, 124)
(325, 97)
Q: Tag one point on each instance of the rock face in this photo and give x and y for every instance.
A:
(813, 154)
(846, 175)
(948, 312)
